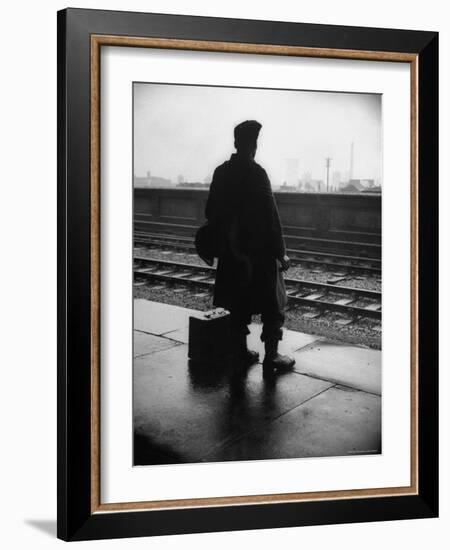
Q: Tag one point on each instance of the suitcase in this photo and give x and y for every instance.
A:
(209, 336)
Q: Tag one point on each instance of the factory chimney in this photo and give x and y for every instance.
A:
(352, 147)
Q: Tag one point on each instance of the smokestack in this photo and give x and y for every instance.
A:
(327, 166)
(352, 146)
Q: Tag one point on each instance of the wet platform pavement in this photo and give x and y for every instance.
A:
(329, 405)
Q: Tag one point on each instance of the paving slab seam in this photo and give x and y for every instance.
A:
(147, 332)
(165, 333)
(172, 339)
(340, 385)
(326, 341)
(319, 339)
(160, 334)
(336, 383)
(175, 345)
(236, 438)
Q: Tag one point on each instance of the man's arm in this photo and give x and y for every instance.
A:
(212, 208)
(273, 220)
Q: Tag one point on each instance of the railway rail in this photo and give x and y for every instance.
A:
(348, 263)
(320, 296)
(309, 242)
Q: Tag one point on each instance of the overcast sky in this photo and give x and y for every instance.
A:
(188, 130)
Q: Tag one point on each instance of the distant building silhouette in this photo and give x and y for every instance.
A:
(353, 186)
(151, 181)
(360, 186)
(288, 188)
(336, 180)
(375, 189)
(193, 185)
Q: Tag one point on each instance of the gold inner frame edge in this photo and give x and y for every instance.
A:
(263, 49)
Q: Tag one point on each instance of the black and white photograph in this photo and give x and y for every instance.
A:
(257, 267)
(228, 332)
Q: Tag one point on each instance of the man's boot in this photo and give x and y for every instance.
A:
(241, 351)
(275, 361)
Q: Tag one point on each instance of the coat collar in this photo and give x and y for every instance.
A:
(236, 159)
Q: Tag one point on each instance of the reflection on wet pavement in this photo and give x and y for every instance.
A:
(190, 412)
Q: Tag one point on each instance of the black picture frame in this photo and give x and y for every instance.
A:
(76, 518)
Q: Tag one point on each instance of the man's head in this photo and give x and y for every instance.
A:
(246, 136)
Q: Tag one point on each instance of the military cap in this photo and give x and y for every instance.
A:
(247, 131)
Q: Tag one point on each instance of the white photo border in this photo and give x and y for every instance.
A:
(120, 482)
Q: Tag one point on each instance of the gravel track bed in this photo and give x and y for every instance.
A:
(315, 275)
(179, 295)
(294, 272)
(169, 255)
(366, 283)
(324, 276)
(362, 333)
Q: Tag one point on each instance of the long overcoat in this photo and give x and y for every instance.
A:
(242, 210)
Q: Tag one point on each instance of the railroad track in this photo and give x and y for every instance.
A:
(353, 302)
(347, 263)
(358, 244)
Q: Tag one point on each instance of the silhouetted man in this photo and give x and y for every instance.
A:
(249, 280)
